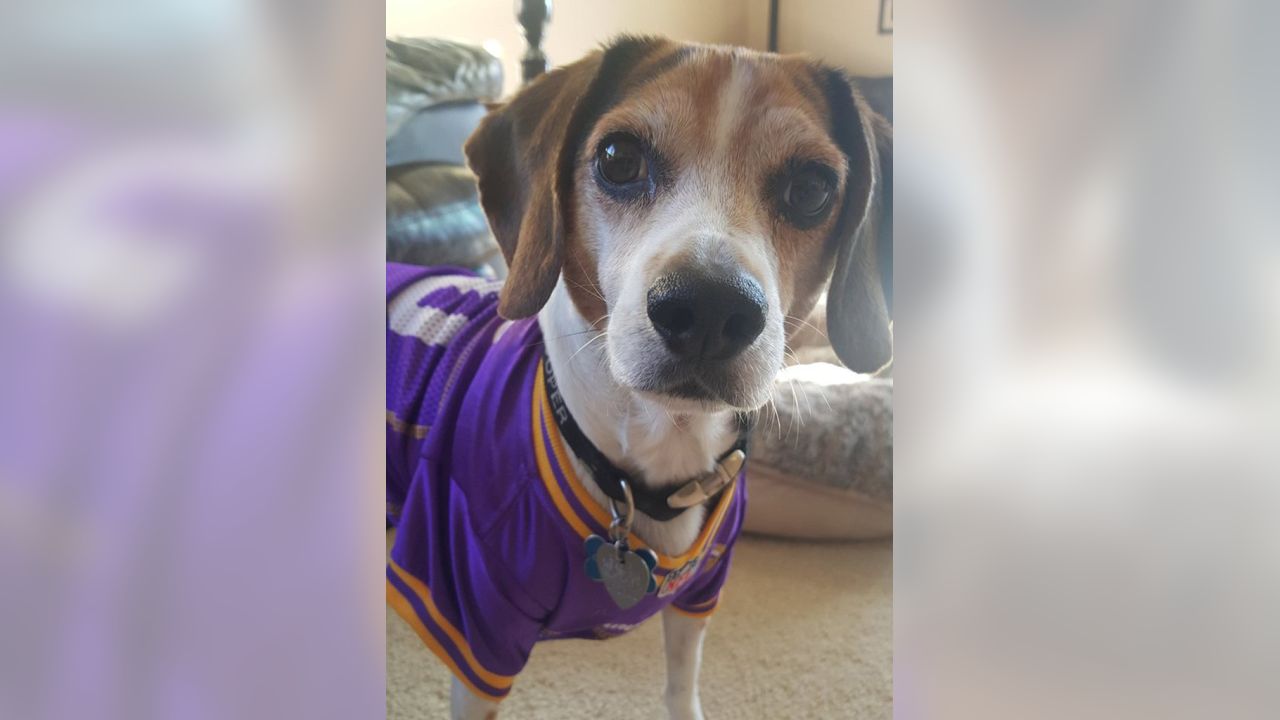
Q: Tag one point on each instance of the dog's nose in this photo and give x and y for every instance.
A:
(706, 317)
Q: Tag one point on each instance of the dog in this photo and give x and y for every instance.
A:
(565, 447)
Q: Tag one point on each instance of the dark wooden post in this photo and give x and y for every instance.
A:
(773, 26)
(533, 15)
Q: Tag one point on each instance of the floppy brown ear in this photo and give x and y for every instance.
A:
(524, 154)
(857, 311)
(515, 154)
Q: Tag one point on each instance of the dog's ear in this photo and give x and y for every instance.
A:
(524, 153)
(515, 153)
(857, 307)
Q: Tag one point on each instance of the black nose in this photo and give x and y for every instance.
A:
(706, 317)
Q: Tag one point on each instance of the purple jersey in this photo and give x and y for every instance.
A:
(490, 516)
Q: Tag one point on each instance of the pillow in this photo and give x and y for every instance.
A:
(821, 462)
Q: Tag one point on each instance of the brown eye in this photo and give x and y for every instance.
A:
(807, 195)
(621, 160)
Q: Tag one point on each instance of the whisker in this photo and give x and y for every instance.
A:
(587, 344)
(572, 334)
(805, 323)
(593, 291)
(584, 288)
(777, 419)
(798, 420)
(819, 389)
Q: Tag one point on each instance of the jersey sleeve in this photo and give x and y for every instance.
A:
(703, 594)
(451, 590)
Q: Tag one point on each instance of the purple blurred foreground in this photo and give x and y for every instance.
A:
(190, 355)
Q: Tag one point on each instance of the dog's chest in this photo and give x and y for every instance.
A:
(587, 613)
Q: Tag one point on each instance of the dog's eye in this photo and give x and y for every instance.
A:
(621, 160)
(808, 193)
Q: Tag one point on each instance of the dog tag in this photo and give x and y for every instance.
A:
(627, 574)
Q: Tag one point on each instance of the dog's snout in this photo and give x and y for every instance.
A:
(707, 317)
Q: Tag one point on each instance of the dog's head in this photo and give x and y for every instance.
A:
(696, 200)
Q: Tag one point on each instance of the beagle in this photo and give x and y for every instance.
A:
(565, 447)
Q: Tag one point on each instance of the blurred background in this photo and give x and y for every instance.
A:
(843, 32)
(1087, 472)
(1087, 338)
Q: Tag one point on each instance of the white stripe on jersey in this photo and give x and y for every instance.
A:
(433, 325)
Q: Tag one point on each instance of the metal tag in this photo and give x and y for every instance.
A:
(627, 574)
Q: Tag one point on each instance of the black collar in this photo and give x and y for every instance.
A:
(608, 476)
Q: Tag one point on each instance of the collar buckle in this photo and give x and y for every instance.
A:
(704, 488)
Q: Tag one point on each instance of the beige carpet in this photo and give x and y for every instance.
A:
(803, 631)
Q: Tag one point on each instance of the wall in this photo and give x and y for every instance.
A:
(843, 32)
(576, 27)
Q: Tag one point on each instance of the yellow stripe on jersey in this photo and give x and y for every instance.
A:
(542, 407)
(424, 594)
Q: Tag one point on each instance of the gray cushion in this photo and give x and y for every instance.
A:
(434, 218)
(425, 72)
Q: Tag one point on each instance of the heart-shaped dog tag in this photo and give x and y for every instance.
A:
(624, 575)
(627, 575)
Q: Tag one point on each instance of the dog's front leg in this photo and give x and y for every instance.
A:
(682, 636)
(466, 705)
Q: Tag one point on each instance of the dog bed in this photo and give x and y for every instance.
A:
(821, 462)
